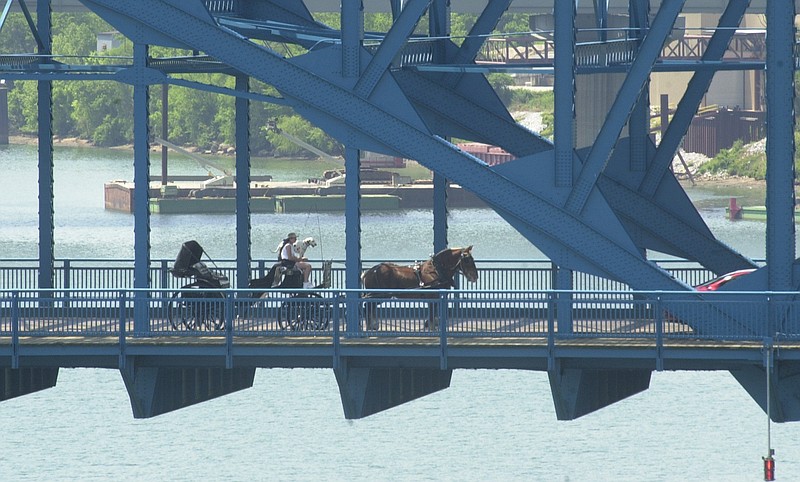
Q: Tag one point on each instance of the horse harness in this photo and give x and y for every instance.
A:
(442, 280)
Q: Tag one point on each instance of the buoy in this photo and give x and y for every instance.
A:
(734, 210)
(769, 468)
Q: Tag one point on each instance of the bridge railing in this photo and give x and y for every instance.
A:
(441, 313)
(539, 49)
(22, 274)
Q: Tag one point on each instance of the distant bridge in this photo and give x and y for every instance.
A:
(468, 6)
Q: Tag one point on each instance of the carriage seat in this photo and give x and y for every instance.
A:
(201, 271)
(280, 272)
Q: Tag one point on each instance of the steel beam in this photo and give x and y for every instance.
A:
(677, 237)
(394, 41)
(626, 98)
(439, 27)
(4, 13)
(243, 226)
(482, 27)
(780, 145)
(352, 247)
(697, 88)
(601, 246)
(141, 188)
(469, 120)
(639, 124)
(45, 133)
(564, 92)
(352, 34)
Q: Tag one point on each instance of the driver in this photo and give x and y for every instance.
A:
(287, 258)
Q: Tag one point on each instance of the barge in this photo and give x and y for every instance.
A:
(217, 195)
(752, 213)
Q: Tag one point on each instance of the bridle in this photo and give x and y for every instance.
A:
(442, 277)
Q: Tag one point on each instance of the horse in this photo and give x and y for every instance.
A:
(435, 273)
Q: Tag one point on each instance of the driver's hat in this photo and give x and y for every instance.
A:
(291, 235)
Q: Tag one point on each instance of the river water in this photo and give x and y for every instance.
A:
(489, 425)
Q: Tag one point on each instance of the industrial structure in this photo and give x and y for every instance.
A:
(594, 200)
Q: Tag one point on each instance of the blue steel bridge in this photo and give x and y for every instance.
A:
(613, 336)
(595, 200)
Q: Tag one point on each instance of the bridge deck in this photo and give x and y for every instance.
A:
(324, 351)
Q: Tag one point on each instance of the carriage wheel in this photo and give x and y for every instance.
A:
(213, 313)
(290, 316)
(181, 314)
(319, 316)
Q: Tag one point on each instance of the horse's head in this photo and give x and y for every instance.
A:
(467, 266)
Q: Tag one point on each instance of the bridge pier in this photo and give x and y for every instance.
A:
(158, 390)
(784, 387)
(15, 382)
(369, 390)
(577, 392)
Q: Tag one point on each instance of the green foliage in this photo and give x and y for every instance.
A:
(15, 36)
(548, 123)
(513, 23)
(303, 130)
(737, 162)
(501, 83)
(532, 100)
(102, 111)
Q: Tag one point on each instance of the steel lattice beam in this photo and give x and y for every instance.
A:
(543, 217)
(698, 86)
(623, 105)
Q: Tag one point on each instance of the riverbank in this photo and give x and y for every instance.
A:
(693, 160)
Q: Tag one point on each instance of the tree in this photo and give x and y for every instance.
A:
(303, 130)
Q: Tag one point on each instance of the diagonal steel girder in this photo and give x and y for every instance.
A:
(670, 228)
(623, 104)
(697, 88)
(471, 45)
(397, 36)
(471, 117)
(538, 213)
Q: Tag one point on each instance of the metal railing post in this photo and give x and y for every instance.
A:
(15, 330)
(659, 321)
(122, 330)
(336, 321)
(551, 328)
(443, 329)
(229, 314)
(66, 282)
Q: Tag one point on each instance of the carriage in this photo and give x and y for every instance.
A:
(199, 304)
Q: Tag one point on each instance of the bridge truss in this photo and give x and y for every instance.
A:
(594, 209)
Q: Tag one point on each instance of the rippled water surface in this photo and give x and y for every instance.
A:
(489, 425)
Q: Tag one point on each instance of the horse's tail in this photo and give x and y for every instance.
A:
(369, 280)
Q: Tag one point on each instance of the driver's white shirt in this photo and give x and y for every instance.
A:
(286, 252)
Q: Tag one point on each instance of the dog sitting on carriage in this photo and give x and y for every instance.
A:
(284, 275)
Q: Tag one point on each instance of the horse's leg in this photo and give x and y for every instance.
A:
(371, 314)
(433, 320)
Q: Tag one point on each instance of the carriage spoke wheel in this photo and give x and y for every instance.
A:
(213, 310)
(180, 313)
(319, 317)
(290, 316)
